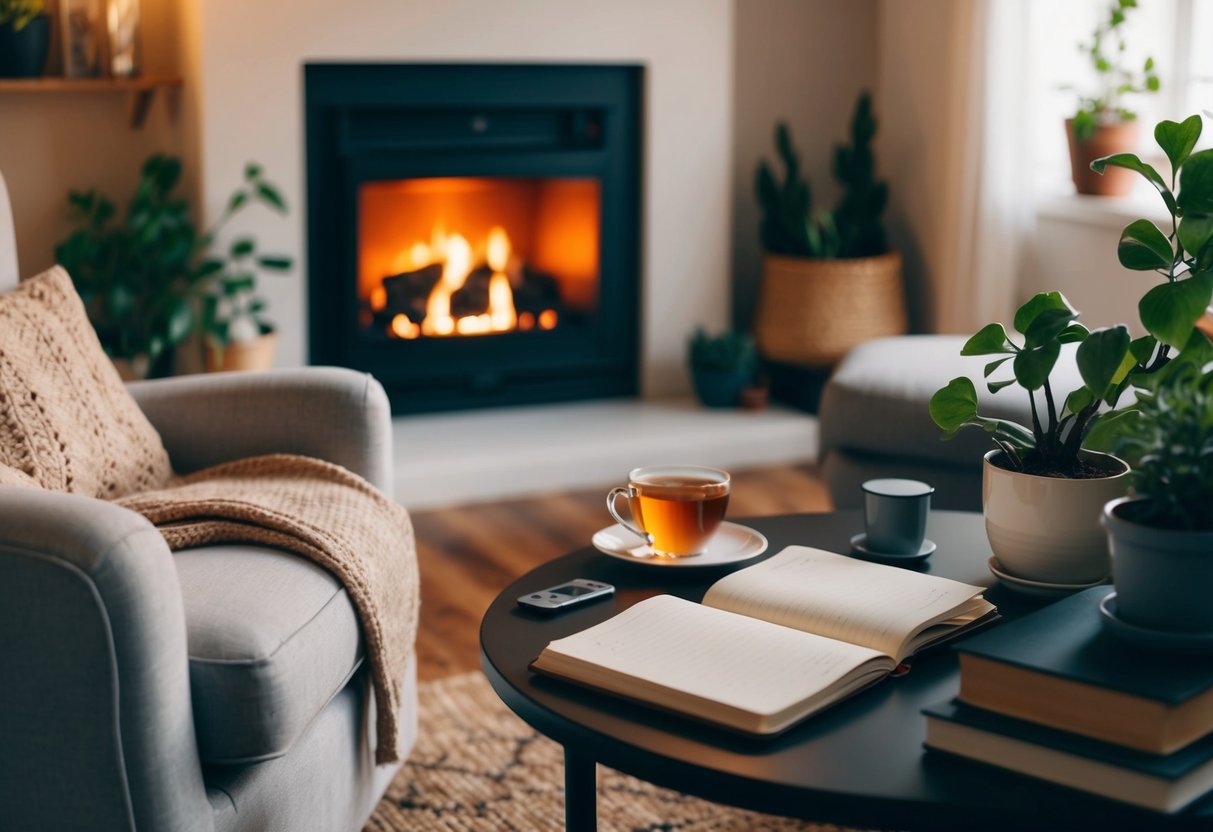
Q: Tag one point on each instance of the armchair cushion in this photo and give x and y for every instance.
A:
(66, 420)
(272, 639)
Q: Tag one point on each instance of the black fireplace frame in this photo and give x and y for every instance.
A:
(371, 122)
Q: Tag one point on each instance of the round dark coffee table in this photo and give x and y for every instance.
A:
(860, 763)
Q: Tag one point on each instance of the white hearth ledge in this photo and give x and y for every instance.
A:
(477, 456)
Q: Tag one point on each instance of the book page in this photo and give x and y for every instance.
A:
(713, 664)
(877, 606)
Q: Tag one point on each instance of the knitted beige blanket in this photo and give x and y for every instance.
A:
(327, 515)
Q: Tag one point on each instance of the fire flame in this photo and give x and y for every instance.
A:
(457, 258)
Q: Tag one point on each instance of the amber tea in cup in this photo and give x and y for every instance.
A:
(675, 508)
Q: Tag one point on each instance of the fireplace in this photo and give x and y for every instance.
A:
(474, 229)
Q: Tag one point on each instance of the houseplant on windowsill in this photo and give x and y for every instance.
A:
(1041, 491)
(1161, 538)
(722, 366)
(1102, 123)
(142, 275)
(829, 279)
(25, 33)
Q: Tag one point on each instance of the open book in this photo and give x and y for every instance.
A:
(770, 644)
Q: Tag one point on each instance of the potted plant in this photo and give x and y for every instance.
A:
(25, 34)
(143, 275)
(1102, 123)
(722, 366)
(1161, 537)
(829, 279)
(1042, 493)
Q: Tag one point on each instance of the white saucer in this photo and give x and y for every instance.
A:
(731, 544)
(1037, 589)
(1164, 640)
(859, 545)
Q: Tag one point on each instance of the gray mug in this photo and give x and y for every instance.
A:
(895, 515)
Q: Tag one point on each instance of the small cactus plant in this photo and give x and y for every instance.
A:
(728, 352)
(854, 228)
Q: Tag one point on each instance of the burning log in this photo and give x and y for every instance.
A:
(472, 298)
(536, 292)
(408, 292)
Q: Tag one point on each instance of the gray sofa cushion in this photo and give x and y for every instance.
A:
(876, 401)
(272, 639)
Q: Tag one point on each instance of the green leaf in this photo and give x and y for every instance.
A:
(1177, 139)
(269, 194)
(239, 283)
(1143, 247)
(277, 264)
(1169, 312)
(1142, 348)
(989, 340)
(995, 364)
(243, 247)
(1100, 357)
(207, 268)
(1075, 332)
(1079, 399)
(1196, 184)
(1047, 326)
(252, 170)
(1032, 366)
(1108, 429)
(954, 405)
(1195, 231)
(238, 199)
(995, 386)
(1037, 304)
(1130, 161)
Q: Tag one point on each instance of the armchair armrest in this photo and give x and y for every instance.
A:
(96, 725)
(338, 415)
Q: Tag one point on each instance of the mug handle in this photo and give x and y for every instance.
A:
(628, 492)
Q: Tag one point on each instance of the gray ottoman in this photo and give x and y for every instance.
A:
(875, 421)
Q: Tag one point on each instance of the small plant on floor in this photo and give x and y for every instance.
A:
(19, 13)
(1106, 51)
(721, 366)
(1051, 445)
(1170, 445)
(854, 228)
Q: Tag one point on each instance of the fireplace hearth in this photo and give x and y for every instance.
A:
(474, 229)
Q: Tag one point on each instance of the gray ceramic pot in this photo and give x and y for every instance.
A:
(1163, 577)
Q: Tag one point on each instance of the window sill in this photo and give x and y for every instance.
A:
(1103, 211)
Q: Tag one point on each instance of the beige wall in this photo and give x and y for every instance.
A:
(53, 142)
(803, 62)
(251, 99)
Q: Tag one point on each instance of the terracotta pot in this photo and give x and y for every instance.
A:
(1162, 576)
(811, 312)
(1048, 528)
(1108, 139)
(255, 355)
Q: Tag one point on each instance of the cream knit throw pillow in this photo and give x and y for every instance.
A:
(66, 420)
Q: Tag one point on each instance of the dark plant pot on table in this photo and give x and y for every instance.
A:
(23, 52)
(1163, 576)
(720, 388)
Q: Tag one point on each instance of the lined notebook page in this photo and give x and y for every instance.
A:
(840, 597)
(741, 663)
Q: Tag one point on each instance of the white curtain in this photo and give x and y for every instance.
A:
(995, 190)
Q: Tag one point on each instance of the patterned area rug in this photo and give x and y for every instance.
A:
(478, 768)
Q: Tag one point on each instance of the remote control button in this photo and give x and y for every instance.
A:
(536, 596)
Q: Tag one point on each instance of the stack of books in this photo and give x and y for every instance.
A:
(1053, 696)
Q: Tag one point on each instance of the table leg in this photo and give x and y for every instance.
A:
(580, 792)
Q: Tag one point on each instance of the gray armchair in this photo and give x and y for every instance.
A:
(220, 688)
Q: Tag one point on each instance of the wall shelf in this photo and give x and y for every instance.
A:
(141, 90)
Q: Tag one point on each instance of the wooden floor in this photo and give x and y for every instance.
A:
(469, 554)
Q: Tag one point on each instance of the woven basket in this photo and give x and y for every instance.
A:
(811, 312)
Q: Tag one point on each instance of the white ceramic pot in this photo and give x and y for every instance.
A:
(1162, 576)
(1048, 528)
